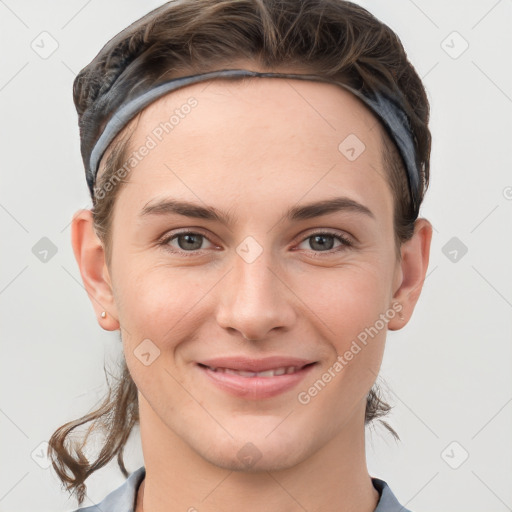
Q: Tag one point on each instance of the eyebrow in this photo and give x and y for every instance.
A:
(296, 213)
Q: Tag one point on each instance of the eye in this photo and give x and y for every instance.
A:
(325, 241)
(192, 242)
(186, 241)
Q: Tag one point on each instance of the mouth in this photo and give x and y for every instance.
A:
(275, 372)
(256, 385)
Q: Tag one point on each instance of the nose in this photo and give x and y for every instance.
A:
(255, 300)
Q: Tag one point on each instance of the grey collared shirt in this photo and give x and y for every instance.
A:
(124, 497)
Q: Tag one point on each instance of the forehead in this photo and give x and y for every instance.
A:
(238, 132)
(323, 104)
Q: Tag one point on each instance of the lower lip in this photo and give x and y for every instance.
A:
(256, 388)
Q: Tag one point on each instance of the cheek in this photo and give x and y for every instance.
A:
(349, 307)
(352, 310)
(160, 308)
(159, 302)
(348, 299)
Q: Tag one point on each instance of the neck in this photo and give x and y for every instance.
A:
(177, 478)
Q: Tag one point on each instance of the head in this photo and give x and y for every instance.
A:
(258, 263)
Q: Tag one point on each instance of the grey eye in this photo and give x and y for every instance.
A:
(321, 242)
(188, 241)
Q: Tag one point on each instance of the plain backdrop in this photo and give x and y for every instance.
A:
(447, 373)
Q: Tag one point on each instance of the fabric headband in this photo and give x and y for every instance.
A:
(387, 110)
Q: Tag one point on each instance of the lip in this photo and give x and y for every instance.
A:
(255, 388)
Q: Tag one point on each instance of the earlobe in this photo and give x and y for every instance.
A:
(413, 268)
(90, 256)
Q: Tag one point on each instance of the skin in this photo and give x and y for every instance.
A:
(253, 150)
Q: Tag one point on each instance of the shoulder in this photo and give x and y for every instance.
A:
(388, 501)
(121, 499)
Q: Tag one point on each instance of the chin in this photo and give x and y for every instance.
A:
(251, 458)
(254, 453)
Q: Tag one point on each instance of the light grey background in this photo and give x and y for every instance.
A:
(448, 372)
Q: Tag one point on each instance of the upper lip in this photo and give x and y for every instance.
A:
(255, 365)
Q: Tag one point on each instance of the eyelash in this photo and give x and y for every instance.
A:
(346, 243)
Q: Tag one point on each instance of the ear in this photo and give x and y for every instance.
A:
(90, 256)
(411, 272)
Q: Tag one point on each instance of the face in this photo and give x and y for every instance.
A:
(282, 256)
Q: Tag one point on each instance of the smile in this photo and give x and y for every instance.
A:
(267, 373)
(255, 385)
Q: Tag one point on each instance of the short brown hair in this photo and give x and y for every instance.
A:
(335, 39)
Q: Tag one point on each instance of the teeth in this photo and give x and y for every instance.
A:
(239, 372)
(267, 373)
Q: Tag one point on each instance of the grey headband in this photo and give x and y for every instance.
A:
(388, 111)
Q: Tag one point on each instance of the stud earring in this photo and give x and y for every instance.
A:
(103, 314)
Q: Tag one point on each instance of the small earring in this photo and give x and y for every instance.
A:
(103, 314)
